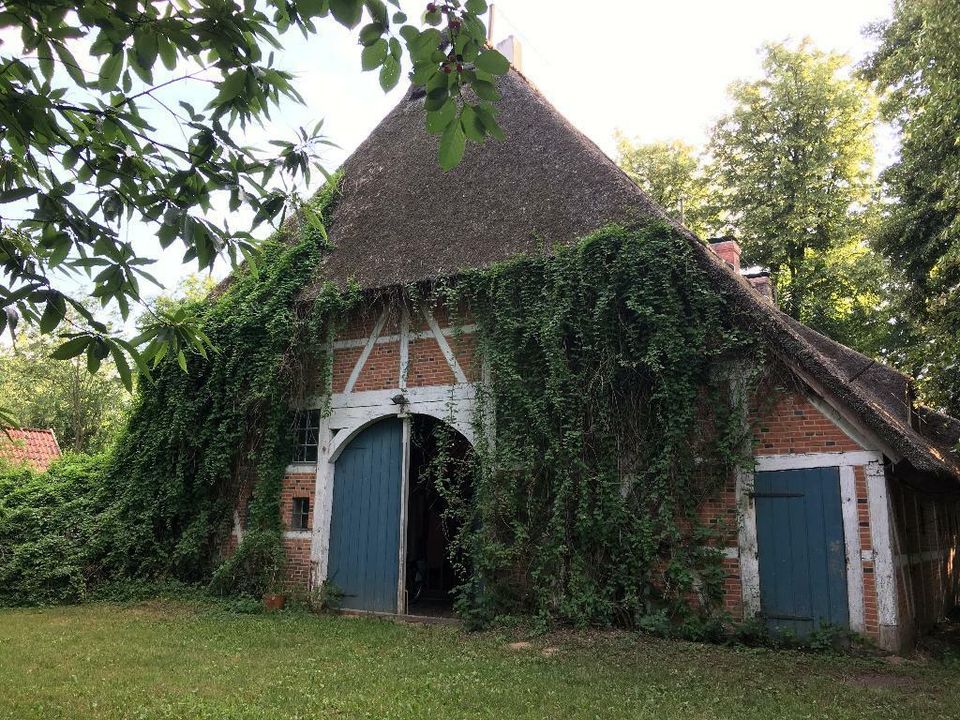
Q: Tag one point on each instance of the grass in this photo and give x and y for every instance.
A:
(180, 660)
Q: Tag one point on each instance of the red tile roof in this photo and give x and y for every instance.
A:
(32, 445)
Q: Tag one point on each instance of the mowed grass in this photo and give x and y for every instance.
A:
(177, 660)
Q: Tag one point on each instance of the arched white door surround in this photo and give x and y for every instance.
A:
(349, 414)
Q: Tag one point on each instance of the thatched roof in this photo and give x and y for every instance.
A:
(877, 396)
(400, 220)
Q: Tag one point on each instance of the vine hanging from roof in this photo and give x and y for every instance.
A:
(610, 421)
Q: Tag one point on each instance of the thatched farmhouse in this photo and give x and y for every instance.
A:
(848, 512)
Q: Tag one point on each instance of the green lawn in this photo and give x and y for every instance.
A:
(174, 660)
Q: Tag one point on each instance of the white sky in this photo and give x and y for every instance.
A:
(654, 70)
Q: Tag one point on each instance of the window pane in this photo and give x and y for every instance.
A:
(306, 433)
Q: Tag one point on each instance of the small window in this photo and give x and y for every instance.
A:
(300, 514)
(307, 436)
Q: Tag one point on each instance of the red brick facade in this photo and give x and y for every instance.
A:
(783, 422)
(789, 424)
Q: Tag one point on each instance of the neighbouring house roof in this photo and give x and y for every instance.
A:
(35, 446)
(400, 219)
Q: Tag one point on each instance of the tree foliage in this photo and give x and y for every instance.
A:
(793, 163)
(161, 501)
(917, 69)
(97, 140)
(672, 174)
(85, 409)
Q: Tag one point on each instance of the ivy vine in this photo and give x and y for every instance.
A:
(608, 420)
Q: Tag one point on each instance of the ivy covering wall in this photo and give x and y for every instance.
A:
(607, 421)
(161, 503)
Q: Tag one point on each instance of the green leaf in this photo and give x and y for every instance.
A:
(373, 55)
(234, 84)
(370, 33)
(93, 360)
(53, 312)
(16, 194)
(438, 120)
(489, 122)
(69, 63)
(347, 12)
(123, 367)
(377, 10)
(182, 360)
(110, 72)
(389, 73)
(45, 59)
(71, 348)
(485, 90)
(473, 128)
(493, 62)
(436, 98)
(477, 7)
(452, 144)
(146, 46)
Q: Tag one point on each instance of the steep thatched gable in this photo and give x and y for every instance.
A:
(402, 220)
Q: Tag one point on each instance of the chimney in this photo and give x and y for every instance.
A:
(510, 48)
(728, 250)
(760, 280)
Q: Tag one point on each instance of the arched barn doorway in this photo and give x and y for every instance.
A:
(390, 525)
(439, 475)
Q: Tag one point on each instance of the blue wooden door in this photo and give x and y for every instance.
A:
(803, 569)
(365, 524)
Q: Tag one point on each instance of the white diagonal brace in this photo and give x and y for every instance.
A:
(367, 349)
(444, 346)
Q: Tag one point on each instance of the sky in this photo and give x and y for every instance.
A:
(655, 71)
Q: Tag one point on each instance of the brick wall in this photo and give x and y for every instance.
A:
(296, 484)
(871, 617)
(297, 569)
(426, 364)
(788, 423)
(783, 421)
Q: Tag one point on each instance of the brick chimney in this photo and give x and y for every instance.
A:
(760, 280)
(728, 250)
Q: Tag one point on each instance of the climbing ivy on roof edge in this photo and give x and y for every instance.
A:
(161, 504)
(611, 420)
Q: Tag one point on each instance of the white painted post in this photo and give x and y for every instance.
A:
(322, 506)
(404, 503)
(851, 534)
(882, 537)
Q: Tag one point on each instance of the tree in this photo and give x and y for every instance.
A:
(96, 138)
(917, 69)
(671, 173)
(84, 408)
(793, 164)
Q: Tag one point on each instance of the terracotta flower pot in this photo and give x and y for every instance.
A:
(274, 601)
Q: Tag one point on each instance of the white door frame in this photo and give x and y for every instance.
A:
(350, 414)
(845, 462)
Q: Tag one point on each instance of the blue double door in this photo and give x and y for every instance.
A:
(365, 525)
(802, 554)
